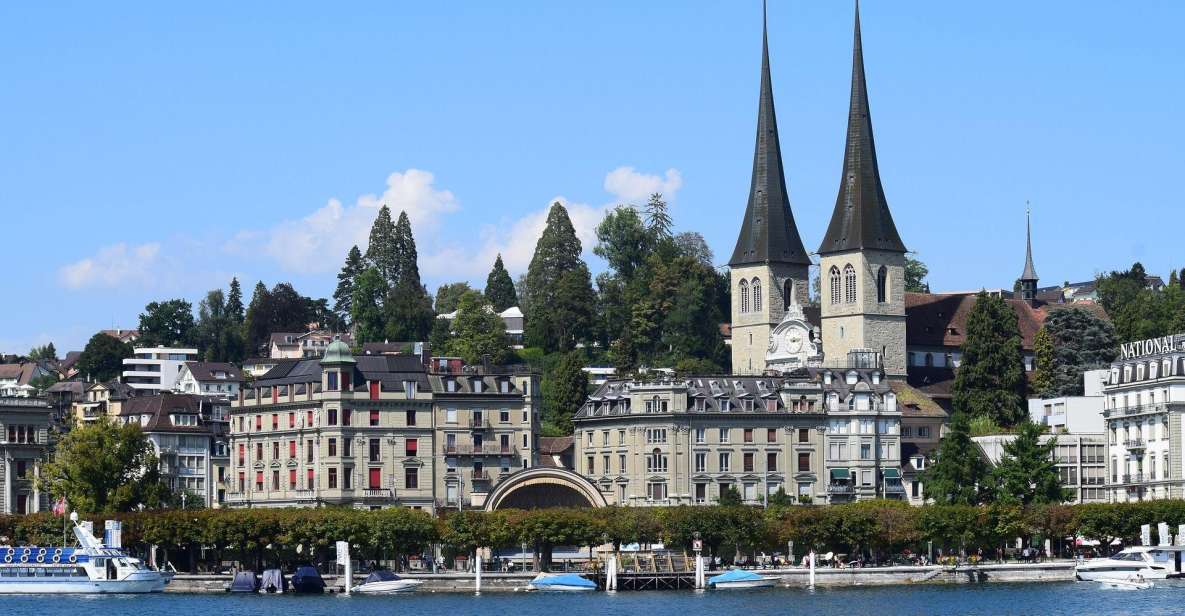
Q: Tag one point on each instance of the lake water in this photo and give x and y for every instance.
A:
(1057, 598)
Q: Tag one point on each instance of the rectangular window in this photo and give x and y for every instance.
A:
(309, 480)
(374, 418)
(347, 478)
(291, 479)
(347, 415)
(291, 449)
(804, 462)
(332, 447)
(724, 435)
(590, 468)
(621, 463)
(242, 454)
(242, 482)
(411, 478)
(605, 438)
(332, 478)
(804, 435)
(331, 381)
(605, 463)
(701, 492)
(771, 435)
(373, 452)
(347, 447)
(748, 435)
(725, 462)
(701, 436)
(258, 423)
(923, 431)
(258, 481)
(375, 480)
(308, 451)
(308, 420)
(865, 451)
(747, 462)
(275, 421)
(411, 418)
(331, 417)
(374, 390)
(450, 415)
(701, 462)
(410, 447)
(258, 452)
(291, 420)
(504, 416)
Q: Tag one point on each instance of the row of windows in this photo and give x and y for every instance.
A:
(23, 434)
(700, 436)
(333, 480)
(838, 451)
(847, 292)
(411, 447)
(656, 462)
(293, 420)
(744, 287)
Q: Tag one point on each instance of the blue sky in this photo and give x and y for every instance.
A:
(153, 151)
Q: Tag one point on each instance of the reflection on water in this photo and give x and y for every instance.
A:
(989, 599)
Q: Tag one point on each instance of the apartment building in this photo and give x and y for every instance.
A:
(155, 369)
(24, 446)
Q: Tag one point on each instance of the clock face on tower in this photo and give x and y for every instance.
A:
(794, 341)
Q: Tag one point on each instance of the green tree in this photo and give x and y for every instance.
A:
(234, 301)
(218, 333)
(45, 352)
(102, 467)
(478, 333)
(658, 219)
(346, 279)
(448, 296)
(366, 306)
(168, 323)
(102, 358)
(957, 474)
(408, 307)
(1081, 341)
(1043, 363)
(499, 289)
(257, 322)
(1026, 474)
(692, 244)
(729, 497)
(991, 378)
(382, 250)
(915, 276)
(565, 388)
(561, 300)
(623, 241)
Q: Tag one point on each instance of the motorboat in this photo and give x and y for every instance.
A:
(1132, 583)
(1152, 562)
(384, 582)
(561, 582)
(91, 567)
(306, 580)
(273, 582)
(244, 581)
(738, 579)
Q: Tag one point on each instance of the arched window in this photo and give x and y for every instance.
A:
(882, 285)
(757, 295)
(833, 280)
(849, 284)
(788, 294)
(743, 291)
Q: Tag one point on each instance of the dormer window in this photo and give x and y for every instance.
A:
(876, 378)
(451, 385)
(505, 385)
(477, 384)
(850, 378)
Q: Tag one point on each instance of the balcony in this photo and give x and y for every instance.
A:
(480, 475)
(841, 488)
(481, 422)
(1142, 409)
(894, 487)
(378, 493)
(1134, 444)
(485, 449)
(1135, 478)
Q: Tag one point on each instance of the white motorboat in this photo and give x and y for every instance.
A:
(561, 582)
(385, 583)
(1151, 562)
(740, 579)
(89, 568)
(1132, 583)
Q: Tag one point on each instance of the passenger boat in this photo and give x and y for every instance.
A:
(561, 582)
(307, 580)
(89, 568)
(1152, 562)
(1133, 583)
(738, 579)
(385, 583)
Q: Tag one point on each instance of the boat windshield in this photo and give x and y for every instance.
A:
(1132, 556)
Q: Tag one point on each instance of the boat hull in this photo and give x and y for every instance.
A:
(560, 588)
(387, 588)
(744, 584)
(80, 587)
(1102, 574)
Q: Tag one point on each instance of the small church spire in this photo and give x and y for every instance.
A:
(768, 233)
(861, 219)
(1028, 278)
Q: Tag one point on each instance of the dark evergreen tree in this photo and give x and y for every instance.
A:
(257, 322)
(408, 307)
(957, 474)
(1026, 474)
(1043, 363)
(366, 306)
(102, 358)
(561, 299)
(1081, 341)
(623, 241)
(220, 336)
(290, 311)
(234, 301)
(168, 323)
(448, 296)
(477, 333)
(499, 289)
(729, 497)
(565, 388)
(382, 251)
(990, 380)
(658, 219)
(346, 280)
(45, 352)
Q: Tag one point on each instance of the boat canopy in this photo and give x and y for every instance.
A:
(567, 579)
(244, 582)
(381, 575)
(736, 575)
(306, 577)
(273, 579)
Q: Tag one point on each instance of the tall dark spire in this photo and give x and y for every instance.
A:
(768, 233)
(861, 219)
(1030, 272)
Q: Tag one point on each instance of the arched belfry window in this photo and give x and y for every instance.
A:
(757, 294)
(743, 291)
(849, 284)
(787, 294)
(833, 283)
(882, 285)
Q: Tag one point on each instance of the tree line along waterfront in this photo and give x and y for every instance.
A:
(872, 531)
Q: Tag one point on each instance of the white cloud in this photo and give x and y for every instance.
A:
(113, 266)
(633, 187)
(319, 242)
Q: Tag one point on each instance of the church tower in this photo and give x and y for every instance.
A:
(1028, 278)
(862, 258)
(769, 268)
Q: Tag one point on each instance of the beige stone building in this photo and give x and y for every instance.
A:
(24, 446)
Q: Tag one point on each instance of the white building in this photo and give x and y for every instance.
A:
(209, 379)
(1144, 400)
(1073, 414)
(156, 368)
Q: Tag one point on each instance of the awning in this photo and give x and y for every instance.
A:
(892, 473)
(840, 473)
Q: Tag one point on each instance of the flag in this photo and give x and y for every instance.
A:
(59, 508)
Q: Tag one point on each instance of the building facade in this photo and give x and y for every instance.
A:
(1080, 460)
(24, 428)
(155, 369)
(209, 379)
(820, 435)
(1143, 405)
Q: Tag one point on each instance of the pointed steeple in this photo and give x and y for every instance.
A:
(1030, 272)
(768, 233)
(861, 220)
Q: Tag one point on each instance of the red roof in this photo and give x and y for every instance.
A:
(940, 319)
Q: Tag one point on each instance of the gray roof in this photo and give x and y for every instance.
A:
(390, 370)
(204, 371)
(768, 233)
(1030, 272)
(861, 219)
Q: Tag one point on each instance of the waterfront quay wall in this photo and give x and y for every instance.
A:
(1053, 571)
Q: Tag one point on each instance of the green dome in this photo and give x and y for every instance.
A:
(338, 352)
